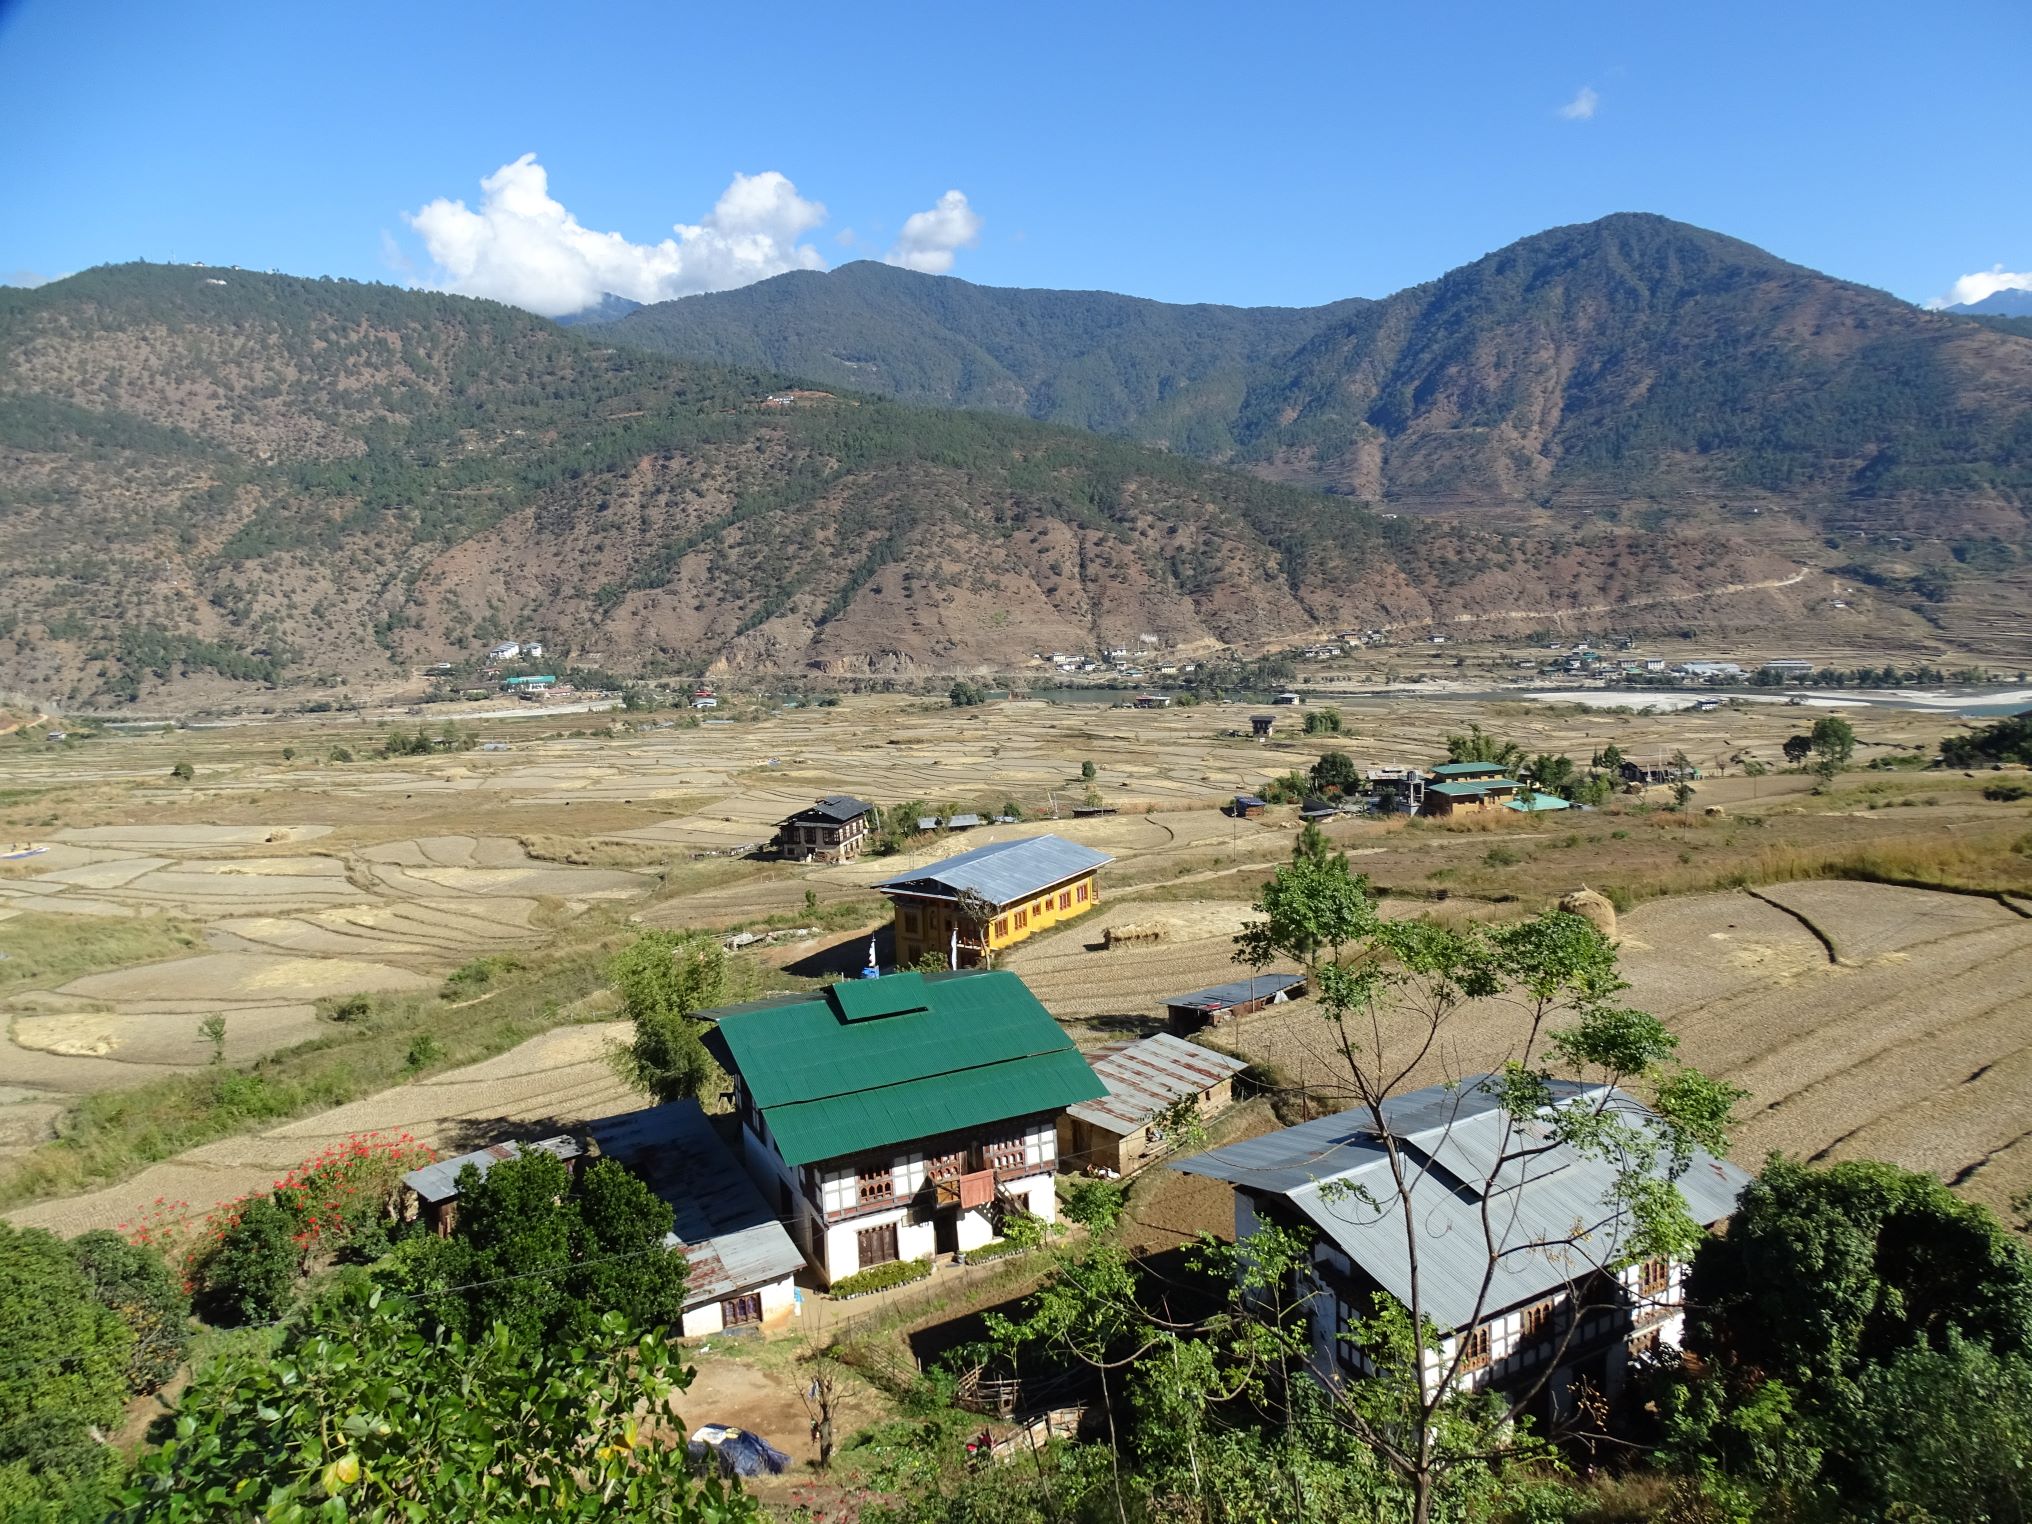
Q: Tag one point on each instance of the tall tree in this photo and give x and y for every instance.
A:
(1477, 745)
(1391, 993)
(663, 977)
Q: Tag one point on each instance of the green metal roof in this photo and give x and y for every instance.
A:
(1468, 770)
(1471, 790)
(870, 1062)
(1537, 802)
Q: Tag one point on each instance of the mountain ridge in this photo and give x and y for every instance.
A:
(221, 484)
(1631, 354)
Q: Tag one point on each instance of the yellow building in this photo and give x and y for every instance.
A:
(971, 906)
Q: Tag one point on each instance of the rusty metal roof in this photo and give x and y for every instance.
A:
(440, 1181)
(1145, 1077)
(731, 1237)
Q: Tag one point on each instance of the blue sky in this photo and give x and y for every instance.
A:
(1214, 153)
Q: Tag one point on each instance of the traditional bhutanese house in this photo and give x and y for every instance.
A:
(743, 1263)
(1468, 772)
(435, 1187)
(900, 1117)
(1453, 798)
(1247, 806)
(1119, 1133)
(1562, 1306)
(1211, 1007)
(972, 905)
(1531, 803)
(831, 830)
(1261, 725)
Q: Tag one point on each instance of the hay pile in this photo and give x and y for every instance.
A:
(1591, 907)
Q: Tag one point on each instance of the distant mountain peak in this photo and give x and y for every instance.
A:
(608, 309)
(2014, 303)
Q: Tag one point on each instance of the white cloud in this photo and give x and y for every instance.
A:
(930, 239)
(27, 279)
(1973, 288)
(524, 247)
(1582, 107)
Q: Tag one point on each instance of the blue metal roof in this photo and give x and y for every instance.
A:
(1240, 992)
(1002, 872)
(1557, 1218)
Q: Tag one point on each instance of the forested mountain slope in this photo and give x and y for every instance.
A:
(214, 479)
(1633, 355)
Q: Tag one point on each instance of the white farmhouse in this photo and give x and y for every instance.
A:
(1563, 1306)
(900, 1117)
(505, 650)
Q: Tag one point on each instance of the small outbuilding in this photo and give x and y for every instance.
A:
(1248, 806)
(1211, 1007)
(1260, 725)
(435, 1187)
(1118, 1133)
(743, 1262)
(1318, 807)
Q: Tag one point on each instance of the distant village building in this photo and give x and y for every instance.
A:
(1119, 1133)
(1223, 1002)
(1532, 803)
(1711, 671)
(1458, 787)
(506, 650)
(1261, 725)
(1287, 698)
(973, 905)
(831, 830)
(743, 1264)
(1558, 1311)
(1248, 806)
(900, 1117)
(434, 1189)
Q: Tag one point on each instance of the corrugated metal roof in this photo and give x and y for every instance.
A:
(1147, 1076)
(440, 1181)
(731, 1238)
(1241, 992)
(1536, 803)
(1468, 770)
(1002, 872)
(1556, 1217)
(835, 1073)
(1470, 790)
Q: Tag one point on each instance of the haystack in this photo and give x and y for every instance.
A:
(1591, 907)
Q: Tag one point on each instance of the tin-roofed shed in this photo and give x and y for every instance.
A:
(1118, 1133)
(1211, 1007)
(743, 1263)
(436, 1186)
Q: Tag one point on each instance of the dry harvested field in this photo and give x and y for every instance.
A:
(133, 908)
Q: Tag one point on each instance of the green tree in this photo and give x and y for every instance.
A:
(1323, 722)
(251, 1276)
(546, 1256)
(1833, 741)
(136, 1284)
(1554, 773)
(1390, 992)
(64, 1361)
(354, 1415)
(1087, 772)
(183, 772)
(2008, 740)
(1477, 745)
(1825, 1271)
(663, 977)
(1797, 749)
(1312, 843)
(1335, 773)
(964, 694)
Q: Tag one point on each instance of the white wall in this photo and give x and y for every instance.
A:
(779, 1298)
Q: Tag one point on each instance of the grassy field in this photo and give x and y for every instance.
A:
(270, 890)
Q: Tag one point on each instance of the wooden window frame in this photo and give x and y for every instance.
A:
(874, 1187)
(1654, 1277)
(1080, 892)
(1535, 1322)
(742, 1309)
(1475, 1349)
(1005, 1155)
(1022, 919)
(1002, 926)
(1065, 899)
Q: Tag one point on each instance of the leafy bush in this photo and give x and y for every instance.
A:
(183, 772)
(136, 1283)
(2007, 793)
(1502, 857)
(64, 1357)
(994, 1249)
(1094, 1204)
(898, 1272)
(249, 1273)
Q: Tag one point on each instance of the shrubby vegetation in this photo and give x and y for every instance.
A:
(2008, 740)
